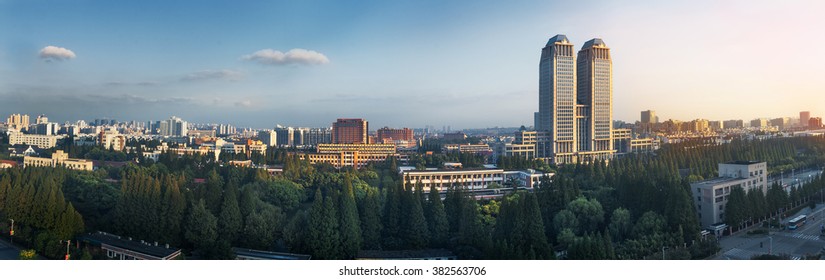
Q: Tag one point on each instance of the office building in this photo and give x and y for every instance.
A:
(350, 131)
(473, 179)
(804, 116)
(575, 101)
(649, 117)
(711, 196)
(316, 136)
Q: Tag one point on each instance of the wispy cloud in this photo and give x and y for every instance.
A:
(52, 53)
(293, 56)
(244, 104)
(228, 75)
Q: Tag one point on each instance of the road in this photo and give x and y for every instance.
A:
(797, 243)
(8, 252)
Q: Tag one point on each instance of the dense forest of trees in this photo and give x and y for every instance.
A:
(628, 209)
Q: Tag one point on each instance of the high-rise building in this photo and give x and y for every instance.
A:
(575, 118)
(285, 136)
(595, 96)
(317, 136)
(18, 121)
(557, 99)
(649, 117)
(730, 124)
(174, 127)
(268, 137)
(350, 131)
(803, 118)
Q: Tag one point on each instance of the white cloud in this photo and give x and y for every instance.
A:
(293, 56)
(213, 75)
(50, 53)
(245, 104)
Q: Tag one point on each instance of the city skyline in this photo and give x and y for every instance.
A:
(396, 64)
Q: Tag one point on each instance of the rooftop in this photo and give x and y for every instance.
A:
(717, 181)
(594, 42)
(100, 237)
(744, 162)
(405, 254)
(560, 38)
(268, 255)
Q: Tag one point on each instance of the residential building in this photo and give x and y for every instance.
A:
(268, 137)
(111, 140)
(59, 158)
(732, 124)
(18, 122)
(759, 123)
(350, 131)
(174, 126)
(285, 136)
(316, 136)
(711, 196)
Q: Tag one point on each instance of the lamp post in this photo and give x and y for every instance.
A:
(663, 252)
(11, 232)
(68, 242)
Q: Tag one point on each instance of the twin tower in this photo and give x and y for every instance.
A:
(575, 118)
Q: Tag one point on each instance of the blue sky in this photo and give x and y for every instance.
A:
(399, 64)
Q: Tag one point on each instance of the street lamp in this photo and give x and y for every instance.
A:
(770, 245)
(68, 242)
(663, 252)
(11, 232)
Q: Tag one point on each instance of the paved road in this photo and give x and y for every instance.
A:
(805, 240)
(7, 252)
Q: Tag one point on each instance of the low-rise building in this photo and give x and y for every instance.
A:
(40, 141)
(250, 254)
(59, 158)
(711, 196)
(124, 248)
(474, 179)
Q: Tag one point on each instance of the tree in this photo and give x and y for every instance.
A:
(323, 236)
(27, 255)
(589, 213)
(437, 219)
(350, 223)
(736, 210)
(201, 227)
(213, 191)
(230, 222)
(416, 233)
(370, 213)
(620, 224)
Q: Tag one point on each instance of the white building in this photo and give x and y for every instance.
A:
(711, 196)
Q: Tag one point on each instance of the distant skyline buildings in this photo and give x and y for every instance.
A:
(185, 63)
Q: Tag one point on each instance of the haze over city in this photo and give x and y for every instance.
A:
(464, 64)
